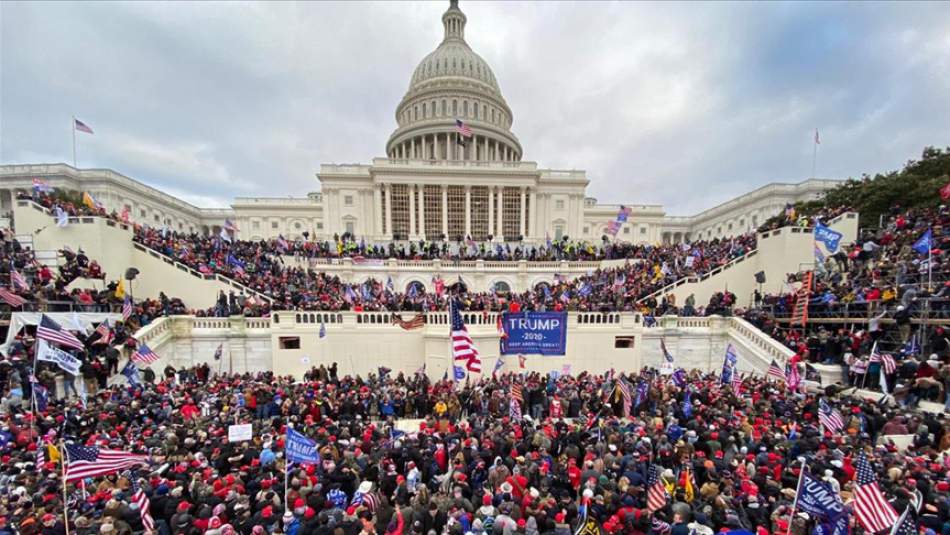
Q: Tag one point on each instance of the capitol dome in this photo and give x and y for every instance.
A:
(453, 84)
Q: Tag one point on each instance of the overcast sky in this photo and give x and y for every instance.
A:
(686, 105)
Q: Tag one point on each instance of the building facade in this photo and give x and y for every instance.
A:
(453, 169)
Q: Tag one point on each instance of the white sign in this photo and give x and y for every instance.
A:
(239, 433)
(666, 368)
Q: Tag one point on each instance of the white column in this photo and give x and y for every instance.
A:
(445, 211)
(533, 218)
(379, 220)
(491, 209)
(522, 227)
(501, 213)
(389, 210)
(422, 211)
(468, 210)
(412, 211)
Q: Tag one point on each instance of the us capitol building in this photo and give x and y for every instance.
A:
(428, 185)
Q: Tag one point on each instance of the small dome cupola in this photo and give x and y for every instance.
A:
(454, 22)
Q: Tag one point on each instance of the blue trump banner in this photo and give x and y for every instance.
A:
(827, 236)
(301, 449)
(534, 333)
(817, 498)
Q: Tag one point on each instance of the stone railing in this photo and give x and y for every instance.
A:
(766, 347)
(440, 265)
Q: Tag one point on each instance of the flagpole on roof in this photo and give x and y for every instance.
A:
(72, 126)
(814, 156)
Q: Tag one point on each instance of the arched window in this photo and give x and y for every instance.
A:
(425, 110)
(464, 108)
(501, 287)
(475, 109)
(455, 108)
(443, 107)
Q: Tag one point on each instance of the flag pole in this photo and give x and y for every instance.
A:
(62, 461)
(72, 127)
(798, 488)
(814, 155)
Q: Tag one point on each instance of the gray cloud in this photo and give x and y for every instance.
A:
(681, 104)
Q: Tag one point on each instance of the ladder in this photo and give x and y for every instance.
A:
(802, 295)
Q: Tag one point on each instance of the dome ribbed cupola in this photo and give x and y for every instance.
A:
(452, 84)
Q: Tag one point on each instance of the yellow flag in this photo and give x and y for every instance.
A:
(688, 490)
(120, 290)
(52, 453)
(88, 200)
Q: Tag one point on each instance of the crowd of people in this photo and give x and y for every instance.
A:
(571, 457)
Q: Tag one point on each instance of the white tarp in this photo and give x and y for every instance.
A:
(72, 321)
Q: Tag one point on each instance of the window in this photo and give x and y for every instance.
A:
(350, 228)
(755, 220)
(297, 225)
(157, 219)
(624, 342)
(443, 106)
(475, 109)
(465, 108)
(347, 200)
(255, 225)
(559, 204)
(730, 226)
(493, 115)
(143, 212)
(415, 113)
(319, 226)
(586, 230)
(643, 230)
(273, 224)
(501, 287)
(626, 230)
(425, 110)
(455, 107)
(558, 232)
(289, 342)
(742, 222)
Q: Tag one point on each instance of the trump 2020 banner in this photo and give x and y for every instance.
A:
(534, 333)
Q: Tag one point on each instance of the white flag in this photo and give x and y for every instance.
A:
(64, 360)
(62, 218)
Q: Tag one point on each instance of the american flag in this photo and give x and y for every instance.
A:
(517, 392)
(416, 322)
(736, 382)
(521, 361)
(17, 280)
(41, 186)
(105, 334)
(776, 371)
(92, 461)
(145, 505)
(887, 361)
(51, 331)
(144, 354)
(462, 346)
(126, 309)
(656, 491)
(230, 226)
(830, 418)
(870, 506)
(11, 298)
(462, 128)
(908, 523)
(624, 389)
(81, 126)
